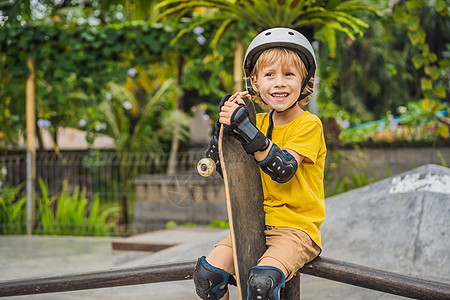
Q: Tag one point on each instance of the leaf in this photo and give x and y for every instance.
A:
(330, 37)
(414, 5)
(439, 91)
(431, 57)
(417, 37)
(444, 63)
(426, 84)
(443, 131)
(441, 7)
(399, 14)
(413, 22)
(432, 71)
(418, 61)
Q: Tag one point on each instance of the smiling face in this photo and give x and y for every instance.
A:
(278, 77)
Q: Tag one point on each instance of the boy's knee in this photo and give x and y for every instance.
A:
(265, 283)
(211, 282)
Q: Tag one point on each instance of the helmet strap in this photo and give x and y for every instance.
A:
(270, 128)
(250, 89)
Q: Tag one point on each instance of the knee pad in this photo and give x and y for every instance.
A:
(208, 280)
(264, 283)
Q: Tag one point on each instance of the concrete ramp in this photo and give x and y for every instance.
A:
(400, 224)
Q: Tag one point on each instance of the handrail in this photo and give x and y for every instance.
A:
(352, 274)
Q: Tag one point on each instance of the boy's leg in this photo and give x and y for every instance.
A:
(214, 272)
(270, 261)
(288, 250)
(222, 257)
(290, 247)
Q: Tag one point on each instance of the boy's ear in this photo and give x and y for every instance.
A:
(254, 85)
(250, 86)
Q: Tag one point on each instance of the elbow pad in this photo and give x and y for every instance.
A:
(279, 164)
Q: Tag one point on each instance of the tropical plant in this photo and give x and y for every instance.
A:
(423, 18)
(139, 116)
(12, 212)
(419, 122)
(73, 214)
(331, 16)
(135, 9)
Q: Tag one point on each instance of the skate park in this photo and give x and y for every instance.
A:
(398, 225)
(106, 107)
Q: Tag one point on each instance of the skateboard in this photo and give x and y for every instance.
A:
(244, 198)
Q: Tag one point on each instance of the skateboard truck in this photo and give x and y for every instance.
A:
(206, 167)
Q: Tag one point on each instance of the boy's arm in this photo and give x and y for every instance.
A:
(280, 165)
(261, 155)
(212, 150)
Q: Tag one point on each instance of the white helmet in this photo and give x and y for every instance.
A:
(280, 38)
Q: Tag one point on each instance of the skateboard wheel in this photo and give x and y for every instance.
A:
(206, 167)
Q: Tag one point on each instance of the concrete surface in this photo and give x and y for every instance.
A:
(398, 224)
(42, 256)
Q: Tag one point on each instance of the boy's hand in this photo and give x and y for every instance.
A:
(230, 106)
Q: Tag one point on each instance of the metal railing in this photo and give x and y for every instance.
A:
(327, 268)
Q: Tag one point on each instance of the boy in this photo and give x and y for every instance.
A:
(288, 145)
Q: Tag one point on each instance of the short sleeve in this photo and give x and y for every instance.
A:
(305, 139)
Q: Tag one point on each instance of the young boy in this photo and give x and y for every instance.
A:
(288, 145)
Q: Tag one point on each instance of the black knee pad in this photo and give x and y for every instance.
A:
(208, 280)
(264, 283)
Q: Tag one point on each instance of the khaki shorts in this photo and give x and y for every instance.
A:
(293, 248)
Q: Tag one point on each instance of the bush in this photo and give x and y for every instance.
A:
(73, 214)
(12, 210)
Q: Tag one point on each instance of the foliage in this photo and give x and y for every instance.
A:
(443, 162)
(75, 62)
(418, 16)
(369, 75)
(424, 117)
(220, 224)
(10, 110)
(214, 224)
(171, 224)
(335, 180)
(332, 16)
(133, 114)
(12, 212)
(419, 122)
(377, 76)
(210, 76)
(73, 214)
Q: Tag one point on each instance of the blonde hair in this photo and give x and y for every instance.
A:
(286, 57)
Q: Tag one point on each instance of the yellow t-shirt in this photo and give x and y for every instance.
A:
(298, 203)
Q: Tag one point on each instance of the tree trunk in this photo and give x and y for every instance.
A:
(172, 163)
(238, 59)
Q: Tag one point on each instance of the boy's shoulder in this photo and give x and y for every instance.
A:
(309, 117)
(305, 117)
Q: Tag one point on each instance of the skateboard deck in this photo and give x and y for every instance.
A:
(244, 195)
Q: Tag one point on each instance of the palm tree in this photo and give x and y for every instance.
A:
(327, 16)
(140, 116)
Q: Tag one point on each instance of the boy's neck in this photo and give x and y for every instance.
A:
(287, 116)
